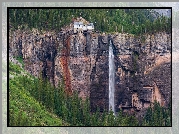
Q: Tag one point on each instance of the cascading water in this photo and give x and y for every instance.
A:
(111, 78)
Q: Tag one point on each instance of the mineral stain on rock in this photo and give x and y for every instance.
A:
(64, 59)
(142, 67)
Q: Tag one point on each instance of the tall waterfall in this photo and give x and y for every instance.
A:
(111, 78)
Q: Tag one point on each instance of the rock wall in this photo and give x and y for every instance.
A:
(143, 71)
(142, 65)
(81, 61)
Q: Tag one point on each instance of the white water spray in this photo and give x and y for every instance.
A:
(111, 78)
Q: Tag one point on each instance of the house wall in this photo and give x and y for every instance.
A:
(84, 28)
(81, 27)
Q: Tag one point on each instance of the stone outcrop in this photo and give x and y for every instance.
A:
(142, 65)
(143, 71)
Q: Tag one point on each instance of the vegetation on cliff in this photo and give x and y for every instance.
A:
(24, 109)
(34, 102)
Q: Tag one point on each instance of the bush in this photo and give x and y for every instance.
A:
(14, 68)
(36, 98)
(20, 59)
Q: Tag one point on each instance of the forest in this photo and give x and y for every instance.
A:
(35, 102)
(133, 21)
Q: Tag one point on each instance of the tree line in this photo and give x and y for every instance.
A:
(70, 108)
(134, 21)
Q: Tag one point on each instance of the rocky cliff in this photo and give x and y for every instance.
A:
(143, 71)
(142, 65)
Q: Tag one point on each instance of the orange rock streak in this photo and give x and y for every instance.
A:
(64, 61)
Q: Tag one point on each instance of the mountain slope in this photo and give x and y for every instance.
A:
(24, 109)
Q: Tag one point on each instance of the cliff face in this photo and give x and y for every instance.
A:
(143, 71)
(142, 65)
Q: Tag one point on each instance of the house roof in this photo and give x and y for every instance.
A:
(78, 23)
(90, 24)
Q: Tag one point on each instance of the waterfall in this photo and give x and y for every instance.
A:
(77, 48)
(111, 78)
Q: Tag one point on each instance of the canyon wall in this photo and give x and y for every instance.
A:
(142, 65)
(143, 71)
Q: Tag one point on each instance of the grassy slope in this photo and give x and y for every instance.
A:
(24, 109)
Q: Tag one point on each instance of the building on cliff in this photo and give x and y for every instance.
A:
(81, 27)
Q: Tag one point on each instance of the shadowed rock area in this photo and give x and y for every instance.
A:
(142, 65)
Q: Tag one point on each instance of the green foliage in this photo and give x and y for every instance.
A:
(24, 110)
(35, 102)
(135, 57)
(71, 109)
(13, 68)
(20, 59)
(134, 21)
(157, 116)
